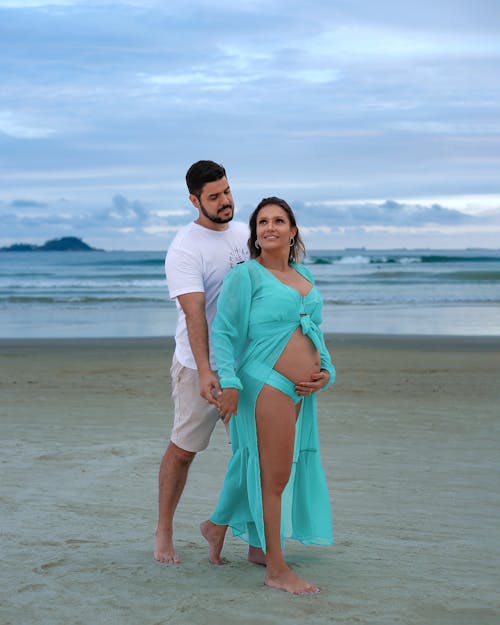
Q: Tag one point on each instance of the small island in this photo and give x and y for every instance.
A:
(64, 244)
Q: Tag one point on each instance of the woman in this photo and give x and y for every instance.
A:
(271, 360)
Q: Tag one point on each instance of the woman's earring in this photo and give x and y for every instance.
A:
(292, 241)
(257, 244)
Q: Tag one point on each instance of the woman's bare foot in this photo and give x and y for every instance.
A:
(214, 535)
(286, 580)
(256, 555)
(164, 550)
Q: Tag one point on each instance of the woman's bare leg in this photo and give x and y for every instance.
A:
(276, 415)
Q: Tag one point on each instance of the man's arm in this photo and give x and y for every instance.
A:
(193, 305)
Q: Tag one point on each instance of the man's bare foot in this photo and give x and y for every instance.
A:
(256, 555)
(286, 580)
(214, 535)
(164, 548)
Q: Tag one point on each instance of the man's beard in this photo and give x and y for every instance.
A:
(217, 219)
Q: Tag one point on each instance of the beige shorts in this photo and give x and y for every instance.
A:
(194, 418)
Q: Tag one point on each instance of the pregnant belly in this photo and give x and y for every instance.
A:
(300, 359)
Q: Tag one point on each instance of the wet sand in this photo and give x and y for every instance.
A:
(411, 447)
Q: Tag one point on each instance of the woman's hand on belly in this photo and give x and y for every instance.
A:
(228, 403)
(316, 383)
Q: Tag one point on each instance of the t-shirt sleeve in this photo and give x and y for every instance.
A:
(183, 269)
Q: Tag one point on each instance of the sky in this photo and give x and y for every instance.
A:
(378, 121)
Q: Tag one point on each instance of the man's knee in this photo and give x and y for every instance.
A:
(179, 456)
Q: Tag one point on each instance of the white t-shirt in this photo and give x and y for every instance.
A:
(196, 262)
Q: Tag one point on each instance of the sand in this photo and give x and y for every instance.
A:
(411, 448)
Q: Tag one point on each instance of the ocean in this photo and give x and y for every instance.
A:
(124, 294)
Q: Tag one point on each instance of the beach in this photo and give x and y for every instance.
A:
(410, 437)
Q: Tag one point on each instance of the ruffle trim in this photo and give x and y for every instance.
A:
(305, 512)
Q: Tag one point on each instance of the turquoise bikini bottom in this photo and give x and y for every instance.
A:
(278, 381)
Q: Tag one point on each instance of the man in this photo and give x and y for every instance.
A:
(198, 259)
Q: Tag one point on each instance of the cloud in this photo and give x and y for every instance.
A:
(204, 80)
(121, 215)
(125, 210)
(14, 125)
(135, 224)
(444, 127)
(159, 230)
(317, 75)
(333, 100)
(27, 204)
(313, 216)
(387, 214)
(358, 40)
(25, 4)
(58, 4)
(173, 212)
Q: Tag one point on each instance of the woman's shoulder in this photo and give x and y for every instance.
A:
(240, 271)
(246, 267)
(304, 271)
(240, 268)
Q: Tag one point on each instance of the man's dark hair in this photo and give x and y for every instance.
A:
(202, 172)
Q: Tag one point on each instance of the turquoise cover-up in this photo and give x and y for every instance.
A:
(256, 316)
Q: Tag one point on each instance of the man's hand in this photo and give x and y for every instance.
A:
(210, 387)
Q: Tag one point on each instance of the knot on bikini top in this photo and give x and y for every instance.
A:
(305, 323)
(310, 329)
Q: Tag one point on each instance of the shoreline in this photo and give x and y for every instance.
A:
(143, 320)
(343, 337)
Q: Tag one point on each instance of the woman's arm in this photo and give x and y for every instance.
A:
(326, 363)
(327, 374)
(229, 336)
(230, 327)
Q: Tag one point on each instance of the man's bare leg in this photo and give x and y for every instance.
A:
(215, 534)
(174, 469)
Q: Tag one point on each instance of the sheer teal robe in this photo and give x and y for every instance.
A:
(256, 316)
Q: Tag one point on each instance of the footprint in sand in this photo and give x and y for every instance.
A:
(47, 566)
(31, 588)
